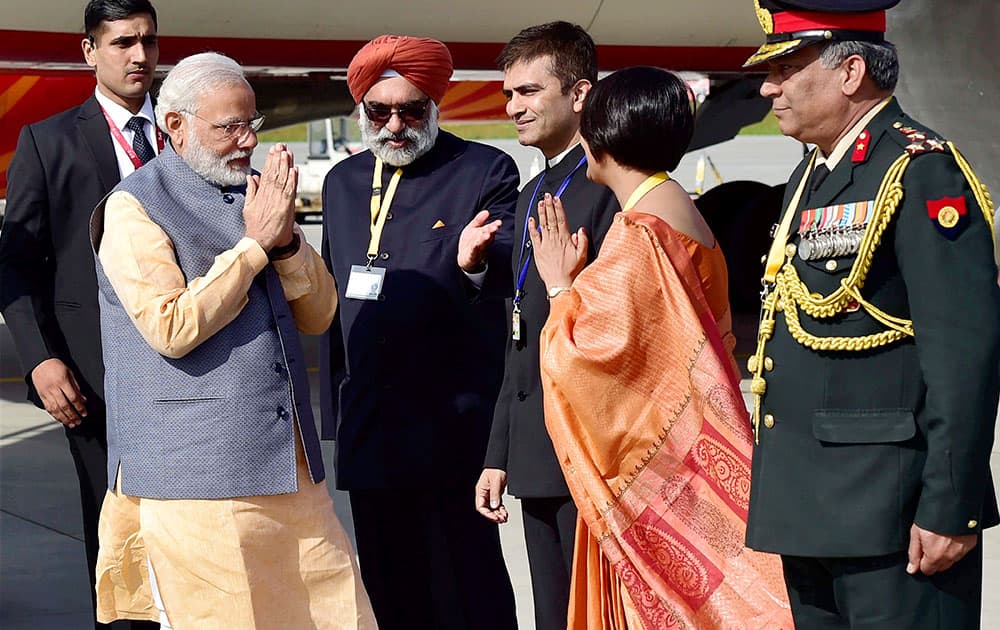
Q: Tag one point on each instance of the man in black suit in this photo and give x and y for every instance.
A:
(548, 70)
(877, 368)
(62, 168)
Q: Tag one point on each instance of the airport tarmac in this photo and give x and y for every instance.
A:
(43, 581)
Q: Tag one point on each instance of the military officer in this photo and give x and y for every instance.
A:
(877, 367)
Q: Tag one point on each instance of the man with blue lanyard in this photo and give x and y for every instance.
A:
(548, 70)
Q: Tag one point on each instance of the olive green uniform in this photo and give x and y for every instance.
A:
(878, 374)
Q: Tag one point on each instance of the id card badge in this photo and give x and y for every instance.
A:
(365, 283)
(515, 325)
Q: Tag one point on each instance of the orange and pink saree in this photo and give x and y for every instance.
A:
(643, 405)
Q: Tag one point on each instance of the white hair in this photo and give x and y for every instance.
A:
(421, 138)
(193, 78)
(215, 168)
(881, 59)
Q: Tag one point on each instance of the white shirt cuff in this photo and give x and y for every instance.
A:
(476, 278)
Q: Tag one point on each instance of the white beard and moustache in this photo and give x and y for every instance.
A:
(213, 167)
(420, 139)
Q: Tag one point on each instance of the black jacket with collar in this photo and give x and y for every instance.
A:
(519, 442)
(62, 168)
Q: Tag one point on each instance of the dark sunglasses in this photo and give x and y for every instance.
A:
(410, 113)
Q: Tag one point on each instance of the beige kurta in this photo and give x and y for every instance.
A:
(264, 562)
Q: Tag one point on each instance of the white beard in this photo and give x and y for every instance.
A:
(420, 139)
(213, 167)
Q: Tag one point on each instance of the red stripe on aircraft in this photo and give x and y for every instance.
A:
(42, 47)
(45, 95)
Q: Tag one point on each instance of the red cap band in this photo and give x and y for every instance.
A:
(795, 21)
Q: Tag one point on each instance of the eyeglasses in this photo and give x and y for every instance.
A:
(239, 130)
(410, 113)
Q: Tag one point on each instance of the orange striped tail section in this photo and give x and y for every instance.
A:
(28, 98)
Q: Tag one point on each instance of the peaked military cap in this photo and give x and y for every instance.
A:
(793, 24)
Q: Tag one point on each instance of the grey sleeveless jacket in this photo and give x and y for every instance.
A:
(220, 421)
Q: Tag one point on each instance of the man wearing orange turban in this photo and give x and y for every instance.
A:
(412, 365)
(426, 63)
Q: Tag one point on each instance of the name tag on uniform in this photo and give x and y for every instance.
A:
(365, 283)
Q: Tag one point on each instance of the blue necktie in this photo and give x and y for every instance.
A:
(140, 144)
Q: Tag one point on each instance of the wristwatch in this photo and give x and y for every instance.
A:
(554, 291)
(285, 251)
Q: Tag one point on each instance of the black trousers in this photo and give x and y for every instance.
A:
(88, 445)
(429, 560)
(878, 594)
(549, 532)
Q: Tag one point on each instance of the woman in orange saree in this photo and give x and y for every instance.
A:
(642, 398)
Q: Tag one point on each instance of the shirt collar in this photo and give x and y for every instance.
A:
(845, 143)
(119, 115)
(559, 158)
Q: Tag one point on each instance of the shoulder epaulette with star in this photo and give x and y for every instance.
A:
(917, 140)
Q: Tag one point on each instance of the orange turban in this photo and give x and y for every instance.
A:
(426, 63)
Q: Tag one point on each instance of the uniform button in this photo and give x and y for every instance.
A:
(388, 217)
(381, 297)
(277, 367)
(768, 363)
(522, 396)
(831, 265)
(897, 125)
(384, 256)
(769, 421)
(973, 524)
(790, 250)
(228, 198)
(380, 340)
(282, 412)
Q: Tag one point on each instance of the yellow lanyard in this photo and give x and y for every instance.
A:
(380, 209)
(776, 257)
(651, 182)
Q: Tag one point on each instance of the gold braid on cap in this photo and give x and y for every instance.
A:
(764, 17)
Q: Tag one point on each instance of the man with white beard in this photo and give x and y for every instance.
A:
(217, 513)
(412, 366)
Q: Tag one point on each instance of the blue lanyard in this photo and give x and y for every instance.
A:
(524, 257)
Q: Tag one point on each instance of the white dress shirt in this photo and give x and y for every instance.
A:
(120, 116)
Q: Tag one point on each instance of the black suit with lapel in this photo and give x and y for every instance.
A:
(62, 167)
(519, 443)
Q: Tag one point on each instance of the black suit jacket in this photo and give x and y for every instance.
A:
(408, 382)
(62, 168)
(865, 443)
(519, 442)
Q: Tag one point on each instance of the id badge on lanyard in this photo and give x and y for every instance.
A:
(366, 281)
